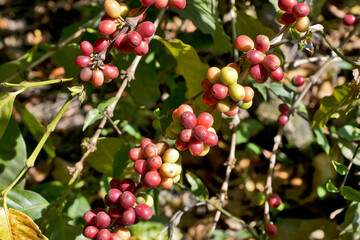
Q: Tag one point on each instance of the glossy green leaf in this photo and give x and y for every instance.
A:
(76, 207)
(121, 160)
(222, 41)
(28, 202)
(92, 116)
(102, 160)
(253, 148)
(247, 129)
(261, 88)
(350, 227)
(198, 188)
(288, 93)
(18, 226)
(340, 168)
(12, 154)
(62, 56)
(35, 128)
(350, 194)
(6, 105)
(250, 26)
(322, 140)
(330, 187)
(50, 190)
(350, 133)
(348, 149)
(102, 106)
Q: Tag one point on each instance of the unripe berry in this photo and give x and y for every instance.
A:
(170, 134)
(112, 8)
(298, 81)
(223, 105)
(171, 155)
(348, 20)
(145, 198)
(246, 105)
(161, 147)
(244, 43)
(219, 91)
(102, 219)
(176, 127)
(271, 229)
(300, 10)
(213, 75)
(233, 111)
(235, 66)
(85, 74)
(275, 200)
(262, 43)
(236, 92)
(258, 73)
(183, 108)
(143, 211)
(152, 178)
(228, 76)
(204, 152)
(302, 24)
(123, 232)
(254, 57)
(206, 119)
(167, 170)
(166, 183)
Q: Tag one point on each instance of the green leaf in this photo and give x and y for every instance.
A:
(102, 160)
(12, 154)
(62, 56)
(222, 41)
(350, 227)
(6, 105)
(247, 129)
(76, 207)
(322, 140)
(330, 187)
(198, 188)
(275, 4)
(50, 190)
(27, 202)
(200, 12)
(102, 106)
(35, 128)
(350, 133)
(261, 88)
(340, 168)
(295, 35)
(187, 58)
(253, 148)
(18, 226)
(250, 26)
(92, 116)
(121, 160)
(348, 149)
(350, 194)
(286, 92)
(317, 6)
(330, 105)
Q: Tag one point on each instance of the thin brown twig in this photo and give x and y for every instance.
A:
(350, 165)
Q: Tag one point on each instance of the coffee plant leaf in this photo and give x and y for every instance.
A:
(322, 140)
(12, 154)
(330, 187)
(250, 26)
(350, 133)
(350, 194)
(247, 129)
(75, 208)
(348, 149)
(317, 6)
(62, 56)
(222, 41)
(6, 106)
(17, 225)
(198, 188)
(35, 128)
(121, 160)
(350, 227)
(50, 190)
(92, 116)
(340, 168)
(28, 202)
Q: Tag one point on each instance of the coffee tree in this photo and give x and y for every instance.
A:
(241, 114)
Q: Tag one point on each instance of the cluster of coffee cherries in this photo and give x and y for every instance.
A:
(274, 201)
(158, 164)
(93, 70)
(262, 66)
(284, 114)
(191, 132)
(178, 4)
(124, 209)
(292, 11)
(221, 89)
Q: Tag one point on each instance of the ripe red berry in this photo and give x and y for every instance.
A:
(86, 48)
(249, 94)
(90, 232)
(83, 61)
(188, 120)
(277, 75)
(104, 234)
(106, 27)
(142, 49)
(349, 20)
(244, 43)
(262, 43)
(271, 229)
(129, 217)
(209, 99)
(205, 119)
(300, 10)
(186, 135)
(154, 162)
(254, 56)
(298, 81)
(233, 111)
(127, 199)
(206, 84)
(219, 91)
(283, 119)
(134, 38)
(110, 71)
(150, 150)
(287, 5)
(147, 2)
(178, 4)
(127, 184)
(141, 166)
(196, 147)
(152, 178)
(85, 74)
(146, 29)
(275, 200)
(161, 3)
(271, 62)
(114, 195)
(145, 142)
(136, 153)
(201, 133)
(181, 145)
(121, 44)
(115, 210)
(102, 219)
(284, 109)
(211, 140)
(258, 73)
(97, 78)
(143, 211)
(115, 183)
(101, 44)
(89, 217)
(287, 18)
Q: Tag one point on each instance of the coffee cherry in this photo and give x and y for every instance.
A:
(249, 94)
(181, 145)
(276, 75)
(83, 61)
(348, 20)
(254, 57)
(275, 200)
(178, 4)
(134, 38)
(127, 199)
(102, 219)
(300, 10)
(258, 73)
(186, 135)
(206, 119)
(233, 111)
(205, 151)
(244, 43)
(107, 17)
(104, 234)
(201, 133)
(183, 108)
(150, 150)
(145, 198)
(302, 24)
(154, 162)
(142, 49)
(236, 92)
(110, 71)
(283, 119)
(86, 48)
(107, 200)
(209, 99)
(228, 76)
(152, 178)
(90, 232)
(246, 105)
(166, 183)
(271, 62)
(146, 29)
(298, 81)
(112, 8)
(141, 166)
(188, 120)
(129, 216)
(287, 18)
(278, 15)
(213, 75)
(115, 183)
(170, 134)
(176, 179)
(115, 210)
(287, 5)
(161, 147)
(100, 44)
(89, 217)
(271, 229)
(211, 140)
(143, 211)
(219, 91)
(262, 43)
(114, 195)
(206, 84)
(115, 236)
(234, 66)
(223, 105)
(145, 142)
(196, 147)
(284, 109)
(85, 74)
(178, 168)
(136, 153)
(127, 184)
(97, 78)
(259, 198)
(171, 155)
(144, 183)
(167, 170)
(106, 27)
(176, 127)
(161, 3)
(123, 232)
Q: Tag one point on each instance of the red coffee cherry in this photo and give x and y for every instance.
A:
(110, 71)
(287, 5)
(300, 10)
(254, 57)
(275, 200)
(107, 27)
(102, 219)
(244, 43)
(277, 75)
(181, 145)
(201, 133)
(127, 199)
(127, 184)
(145, 142)
(147, 2)
(154, 162)
(85, 74)
(298, 81)
(211, 140)
(178, 4)
(90, 232)
(209, 99)
(136, 154)
(287, 18)
(271, 62)
(150, 150)
(271, 229)
(152, 178)
(188, 120)
(129, 217)
(97, 78)
(258, 73)
(134, 38)
(86, 48)
(196, 147)
(101, 44)
(142, 49)
(205, 119)
(143, 211)
(89, 217)
(146, 29)
(283, 119)
(104, 234)
(83, 61)
(349, 20)
(141, 166)
(186, 135)
(284, 109)
(115, 183)
(249, 94)
(114, 195)
(262, 43)
(219, 91)
(206, 84)
(161, 3)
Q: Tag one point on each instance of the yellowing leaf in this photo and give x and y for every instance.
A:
(19, 226)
